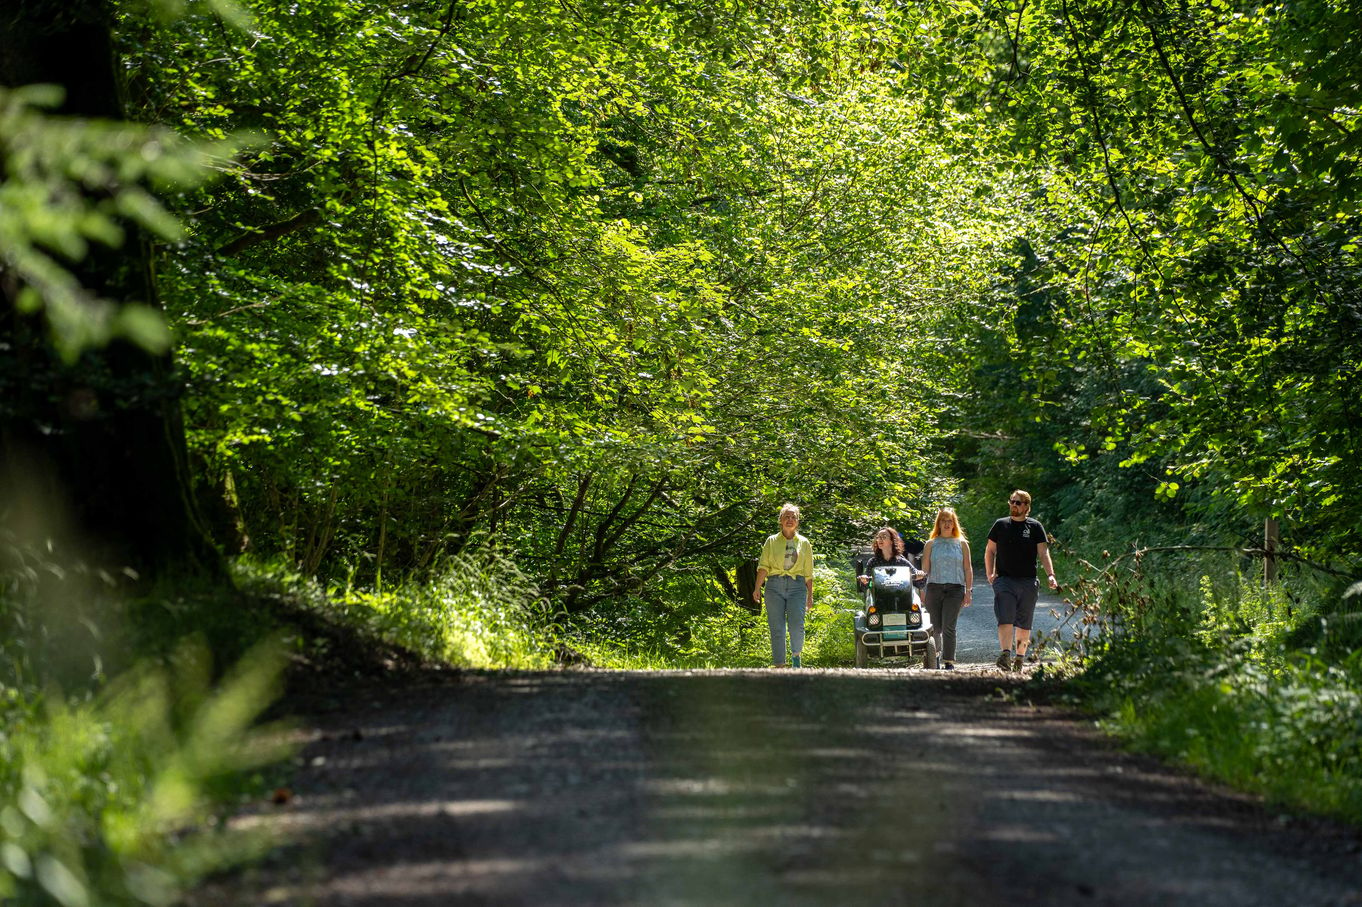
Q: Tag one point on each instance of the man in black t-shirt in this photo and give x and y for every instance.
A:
(1014, 544)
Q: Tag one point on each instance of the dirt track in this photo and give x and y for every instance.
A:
(744, 787)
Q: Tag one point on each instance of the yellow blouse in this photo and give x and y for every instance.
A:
(772, 558)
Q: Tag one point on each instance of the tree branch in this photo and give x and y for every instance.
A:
(298, 222)
(1245, 552)
(583, 484)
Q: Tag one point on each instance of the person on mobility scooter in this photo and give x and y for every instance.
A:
(893, 622)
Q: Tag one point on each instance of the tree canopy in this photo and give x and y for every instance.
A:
(1197, 288)
(608, 281)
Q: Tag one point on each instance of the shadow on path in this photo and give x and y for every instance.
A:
(759, 787)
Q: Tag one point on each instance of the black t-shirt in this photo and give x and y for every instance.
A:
(1016, 542)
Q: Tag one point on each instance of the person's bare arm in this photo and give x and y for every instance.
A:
(761, 581)
(969, 573)
(990, 557)
(1043, 550)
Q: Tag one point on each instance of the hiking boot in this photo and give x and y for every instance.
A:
(948, 666)
(1004, 661)
(796, 661)
(1017, 663)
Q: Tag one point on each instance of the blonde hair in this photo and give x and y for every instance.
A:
(936, 527)
(789, 508)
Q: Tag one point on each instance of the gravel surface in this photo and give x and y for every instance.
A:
(977, 628)
(757, 786)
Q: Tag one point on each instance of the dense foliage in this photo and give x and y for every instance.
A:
(511, 322)
(1234, 680)
(608, 281)
(1177, 362)
(1190, 303)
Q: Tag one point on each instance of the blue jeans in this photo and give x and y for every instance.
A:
(785, 597)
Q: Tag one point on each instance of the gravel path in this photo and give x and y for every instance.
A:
(977, 628)
(758, 786)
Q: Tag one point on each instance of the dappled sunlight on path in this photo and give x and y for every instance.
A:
(753, 786)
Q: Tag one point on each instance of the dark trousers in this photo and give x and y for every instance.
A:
(944, 601)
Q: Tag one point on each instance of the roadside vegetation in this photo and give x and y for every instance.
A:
(692, 625)
(1257, 687)
(493, 334)
(126, 732)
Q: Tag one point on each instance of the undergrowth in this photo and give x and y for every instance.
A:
(119, 749)
(1261, 689)
(124, 740)
(477, 610)
(692, 624)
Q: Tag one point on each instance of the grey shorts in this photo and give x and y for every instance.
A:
(1014, 600)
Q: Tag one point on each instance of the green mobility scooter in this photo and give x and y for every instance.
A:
(892, 623)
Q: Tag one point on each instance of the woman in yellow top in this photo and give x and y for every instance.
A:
(786, 565)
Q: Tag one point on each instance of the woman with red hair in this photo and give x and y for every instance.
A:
(950, 580)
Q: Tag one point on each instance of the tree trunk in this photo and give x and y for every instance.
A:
(93, 453)
(1271, 537)
(747, 584)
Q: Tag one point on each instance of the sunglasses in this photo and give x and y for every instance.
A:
(1016, 502)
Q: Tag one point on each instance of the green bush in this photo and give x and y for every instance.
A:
(1333, 630)
(120, 738)
(828, 639)
(688, 623)
(692, 624)
(1201, 669)
(478, 611)
(108, 799)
